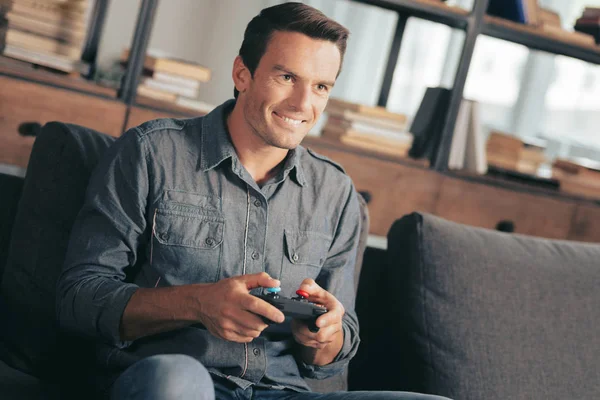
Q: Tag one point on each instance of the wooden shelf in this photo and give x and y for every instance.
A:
(27, 71)
(334, 144)
(536, 39)
(431, 10)
(521, 187)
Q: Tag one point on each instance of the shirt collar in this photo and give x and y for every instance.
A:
(217, 145)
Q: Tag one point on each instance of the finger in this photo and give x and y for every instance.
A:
(261, 279)
(333, 316)
(317, 340)
(262, 308)
(317, 293)
(247, 321)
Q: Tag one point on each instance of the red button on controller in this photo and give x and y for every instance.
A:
(302, 293)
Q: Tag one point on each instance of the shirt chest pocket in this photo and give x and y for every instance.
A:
(187, 244)
(304, 255)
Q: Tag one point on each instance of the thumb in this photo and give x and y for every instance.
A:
(261, 279)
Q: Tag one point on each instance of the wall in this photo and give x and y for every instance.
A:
(210, 33)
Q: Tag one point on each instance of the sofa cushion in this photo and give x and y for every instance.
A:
(479, 314)
(62, 158)
(10, 187)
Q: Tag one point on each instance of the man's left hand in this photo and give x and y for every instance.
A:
(325, 344)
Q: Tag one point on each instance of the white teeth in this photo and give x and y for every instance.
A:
(291, 121)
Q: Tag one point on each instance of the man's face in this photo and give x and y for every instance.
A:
(290, 88)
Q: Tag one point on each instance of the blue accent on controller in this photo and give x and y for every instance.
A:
(273, 290)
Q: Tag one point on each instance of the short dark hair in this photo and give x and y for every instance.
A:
(288, 17)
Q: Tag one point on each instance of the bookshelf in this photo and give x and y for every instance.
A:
(430, 10)
(81, 101)
(538, 40)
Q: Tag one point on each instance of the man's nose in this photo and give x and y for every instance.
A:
(300, 99)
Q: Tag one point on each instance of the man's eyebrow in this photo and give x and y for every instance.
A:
(281, 68)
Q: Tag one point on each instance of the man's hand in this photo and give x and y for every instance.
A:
(320, 348)
(230, 312)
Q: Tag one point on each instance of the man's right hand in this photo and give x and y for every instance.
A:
(230, 312)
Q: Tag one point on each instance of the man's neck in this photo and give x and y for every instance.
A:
(260, 160)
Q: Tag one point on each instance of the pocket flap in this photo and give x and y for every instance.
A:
(176, 229)
(307, 247)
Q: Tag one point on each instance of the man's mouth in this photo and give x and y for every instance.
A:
(288, 120)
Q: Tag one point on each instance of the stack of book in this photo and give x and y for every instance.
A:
(589, 23)
(366, 127)
(509, 152)
(50, 33)
(4, 8)
(578, 176)
(172, 80)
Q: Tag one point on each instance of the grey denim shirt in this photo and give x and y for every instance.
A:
(171, 204)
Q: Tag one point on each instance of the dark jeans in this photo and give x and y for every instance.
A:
(182, 377)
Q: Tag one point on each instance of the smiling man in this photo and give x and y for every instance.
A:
(185, 219)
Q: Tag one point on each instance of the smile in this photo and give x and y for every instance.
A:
(290, 121)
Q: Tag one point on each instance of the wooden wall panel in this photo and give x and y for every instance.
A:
(483, 205)
(22, 101)
(586, 224)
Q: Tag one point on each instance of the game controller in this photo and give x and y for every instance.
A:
(296, 307)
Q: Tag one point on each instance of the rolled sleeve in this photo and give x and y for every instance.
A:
(337, 277)
(105, 240)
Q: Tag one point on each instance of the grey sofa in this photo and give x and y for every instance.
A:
(447, 309)
(475, 314)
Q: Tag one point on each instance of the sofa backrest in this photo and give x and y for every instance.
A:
(61, 161)
(479, 314)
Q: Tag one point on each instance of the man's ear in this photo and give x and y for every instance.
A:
(241, 75)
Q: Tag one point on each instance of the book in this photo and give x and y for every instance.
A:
(532, 12)
(352, 116)
(176, 80)
(170, 88)
(428, 122)
(578, 38)
(549, 17)
(512, 10)
(55, 30)
(456, 159)
(42, 44)
(173, 66)
(400, 150)
(475, 153)
(47, 12)
(363, 127)
(337, 131)
(337, 105)
(52, 61)
(156, 94)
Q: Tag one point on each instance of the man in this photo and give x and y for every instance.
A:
(184, 218)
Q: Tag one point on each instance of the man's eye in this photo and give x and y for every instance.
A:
(287, 78)
(322, 88)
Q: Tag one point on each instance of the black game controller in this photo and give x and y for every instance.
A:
(296, 307)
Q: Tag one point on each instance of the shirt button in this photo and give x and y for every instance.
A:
(257, 203)
(295, 257)
(209, 241)
(255, 256)
(256, 352)
(164, 236)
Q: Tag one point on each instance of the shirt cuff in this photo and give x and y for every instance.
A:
(110, 320)
(339, 363)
